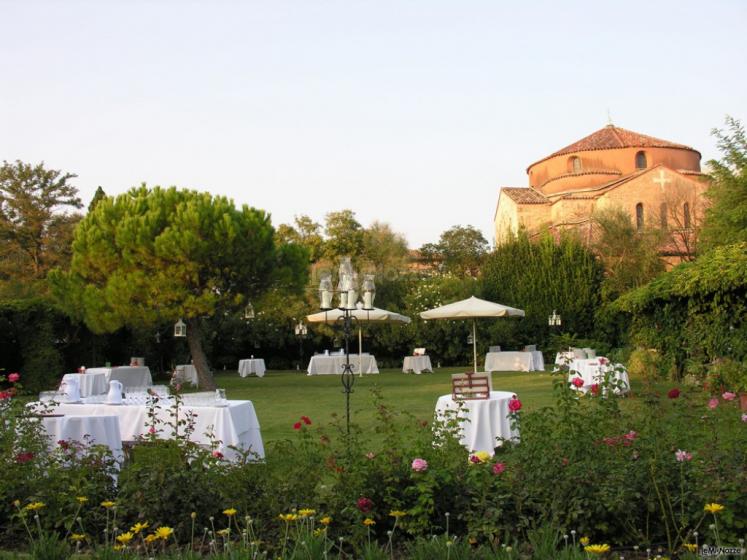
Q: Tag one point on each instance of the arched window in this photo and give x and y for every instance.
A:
(686, 211)
(640, 160)
(663, 215)
(639, 216)
(574, 164)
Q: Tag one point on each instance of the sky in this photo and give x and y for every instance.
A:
(409, 112)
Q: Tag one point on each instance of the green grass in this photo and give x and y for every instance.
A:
(281, 397)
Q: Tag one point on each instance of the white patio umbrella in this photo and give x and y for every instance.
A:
(375, 315)
(472, 308)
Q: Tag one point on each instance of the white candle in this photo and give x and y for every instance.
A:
(367, 300)
(326, 299)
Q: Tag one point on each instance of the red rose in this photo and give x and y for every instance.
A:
(217, 454)
(297, 426)
(514, 405)
(577, 382)
(498, 468)
(24, 457)
(4, 395)
(595, 389)
(364, 505)
(306, 420)
(673, 393)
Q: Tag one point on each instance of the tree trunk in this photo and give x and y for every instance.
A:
(194, 339)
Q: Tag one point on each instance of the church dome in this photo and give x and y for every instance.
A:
(605, 155)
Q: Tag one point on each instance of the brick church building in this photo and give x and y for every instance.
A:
(657, 182)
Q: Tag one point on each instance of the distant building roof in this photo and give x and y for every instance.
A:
(612, 137)
(524, 195)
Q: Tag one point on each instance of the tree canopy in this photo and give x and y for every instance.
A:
(155, 255)
(36, 222)
(726, 218)
(460, 250)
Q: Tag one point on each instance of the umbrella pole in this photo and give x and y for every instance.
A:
(474, 344)
(360, 352)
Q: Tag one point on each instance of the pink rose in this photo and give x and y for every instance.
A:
(498, 468)
(713, 403)
(419, 465)
(514, 405)
(14, 377)
(683, 456)
(217, 454)
(577, 382)
(603, 361)
(151, 430)
(727, 396)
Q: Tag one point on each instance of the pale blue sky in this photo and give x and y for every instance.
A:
(409, 112)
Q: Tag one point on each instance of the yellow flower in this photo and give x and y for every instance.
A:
(34, 506)
(714, 508)
(81, 500)
(397, 513)
(691, 547)
(17, 503)
(108, 504)
(368, 522)
(319, 531)
(597, 548)
(150, 538)
(325, 520)
(193, 515)
(125, 538)
(306, 512)
(288, 517)
(164, 532)
(478, 457)
(137, 527)
(77, 537)
(224, 532)
(230, 512)
(584, 541)
(118, 547)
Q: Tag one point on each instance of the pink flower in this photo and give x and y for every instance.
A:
(4, 395)
(297, 426)
(365, 505)
(14, 377)
(683, 456)
(631, 435)
(577, 382)
(498, 468)
(595, 389)
(514, 405)
(419, 465)
(306, 420)
(151, 430)
(673, 393)
(24, 457)
(474, 459)
(727, 396)
(713, 403)
(610, 441)
(744, 417)
(217, 454)
(603, 361)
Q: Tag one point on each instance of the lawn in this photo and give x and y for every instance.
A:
(281, 397)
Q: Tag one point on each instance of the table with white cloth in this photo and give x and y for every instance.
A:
(484, 423)
(593, 370)
(90, 383)
(233, 425)
(417, 364)
(95, 430)
(130, 376)
(252, 366)
(326, 365)
(514, 361)
(187, 372)
(564, 358)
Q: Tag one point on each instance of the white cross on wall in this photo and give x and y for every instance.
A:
(662, 180)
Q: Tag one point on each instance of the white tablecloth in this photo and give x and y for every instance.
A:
(187, 372)
(514, 361)
(251, 366)
(593, 372)
(564, 358)
(417, 364)
(130, 376)
(483, 422)
(234, 425)
(319, 365)
(100, 430)
(90, 383)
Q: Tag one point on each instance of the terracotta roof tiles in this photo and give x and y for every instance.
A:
(524, 195)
